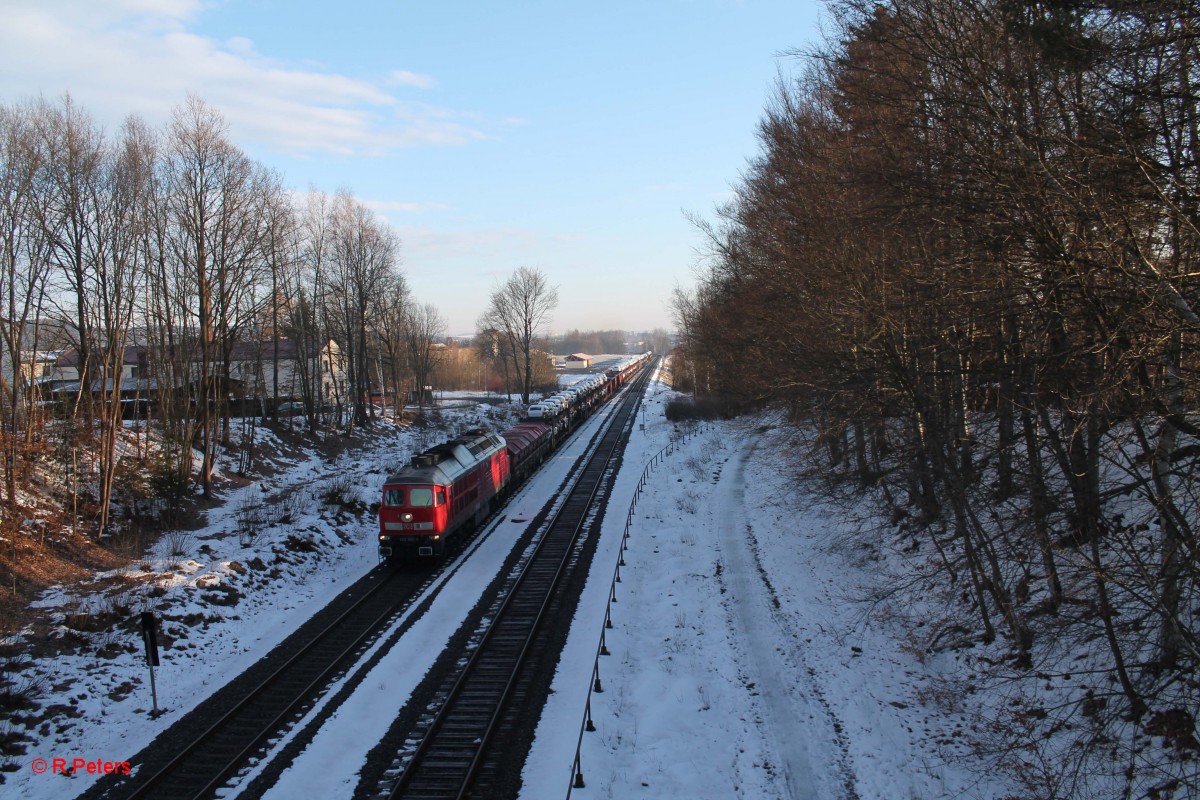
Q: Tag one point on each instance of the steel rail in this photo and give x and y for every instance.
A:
(248, 732)
(429, 773)
(154, 785)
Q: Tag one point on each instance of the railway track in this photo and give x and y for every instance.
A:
(247, 721)
(455, 756)
(265, 706)
(208, 761)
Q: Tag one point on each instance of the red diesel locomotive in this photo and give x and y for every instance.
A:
(444, 490)
(451, 487)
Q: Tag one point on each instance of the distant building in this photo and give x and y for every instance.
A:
(582, 360)
(40, 343)
(253, 364)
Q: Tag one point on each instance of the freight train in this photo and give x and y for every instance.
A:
(451, 487)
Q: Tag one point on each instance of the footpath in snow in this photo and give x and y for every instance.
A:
(743, 661)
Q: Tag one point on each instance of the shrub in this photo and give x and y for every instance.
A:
(339, 491)
(288, 508)
(169, 484)
(685, 408)
(250, 518)
(178, 543)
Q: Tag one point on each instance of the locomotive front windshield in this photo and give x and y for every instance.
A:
(418, 497)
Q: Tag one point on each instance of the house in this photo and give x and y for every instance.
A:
(580, 360)
(40, 344)
(36, 366)
(66, 368)
(253, 364)
(256, 368)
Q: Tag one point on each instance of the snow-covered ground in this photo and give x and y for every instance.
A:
(323, 769)
(266, 560)
(744, 660)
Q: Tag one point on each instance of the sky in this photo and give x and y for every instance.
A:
(574, 138)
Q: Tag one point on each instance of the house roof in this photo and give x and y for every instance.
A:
(70, 358)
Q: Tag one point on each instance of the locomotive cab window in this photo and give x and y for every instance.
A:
(439, 496)
(420, 496)
(393, 497)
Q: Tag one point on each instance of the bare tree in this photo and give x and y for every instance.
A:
(520, 308)
(494, 349)
(423, 334)
(23, 277)
(72, 198)
(393, 325)
(117, 280)
(363, 257)
(215, 241)
(306, 321)
(281, 254)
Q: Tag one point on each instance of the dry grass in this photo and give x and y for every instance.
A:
(31, 564)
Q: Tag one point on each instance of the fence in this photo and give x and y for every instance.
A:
(587, 725)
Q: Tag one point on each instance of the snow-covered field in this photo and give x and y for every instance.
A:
(744, 659)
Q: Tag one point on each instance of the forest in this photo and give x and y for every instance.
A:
(176, 245)
(964, 264)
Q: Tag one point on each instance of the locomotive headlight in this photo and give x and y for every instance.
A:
(406, 517)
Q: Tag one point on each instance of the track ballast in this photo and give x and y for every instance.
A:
(463, 750)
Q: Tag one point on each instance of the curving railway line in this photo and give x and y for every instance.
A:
(249, 717)
(462, 749)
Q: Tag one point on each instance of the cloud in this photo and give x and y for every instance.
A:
(241, 46)
(438, 247)
(403, 77)
(138, 56)
(400, 205)
(92, 15)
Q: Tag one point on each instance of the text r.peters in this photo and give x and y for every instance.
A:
(62, 766)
